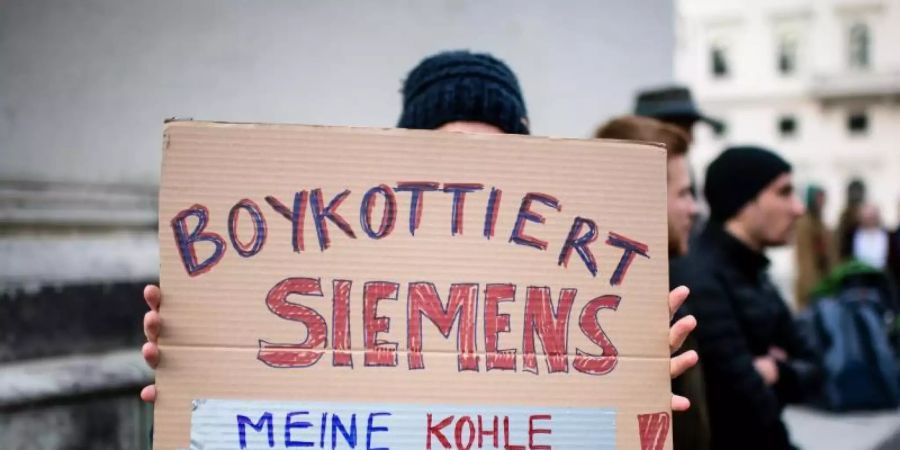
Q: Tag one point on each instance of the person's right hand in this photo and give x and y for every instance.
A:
(767, 369)
(151, 329)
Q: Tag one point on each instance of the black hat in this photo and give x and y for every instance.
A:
(672, 103)
(459, 85)
(737, 176)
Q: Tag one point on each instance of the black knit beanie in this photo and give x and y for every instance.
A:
(737, 176)
(459, 85)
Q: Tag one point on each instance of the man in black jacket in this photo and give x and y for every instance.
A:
(754, 360)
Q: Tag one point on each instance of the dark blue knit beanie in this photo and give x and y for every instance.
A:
(462, 86)
(737, 176)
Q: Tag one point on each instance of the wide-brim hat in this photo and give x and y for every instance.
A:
(672, 103)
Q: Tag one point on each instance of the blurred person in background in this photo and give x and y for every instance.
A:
(856, 196)
(691, 427)
(674, 105)
(870, 241)
(682, 207)
(815, 252)
(894, 253)
(754, 359)
(465, 92)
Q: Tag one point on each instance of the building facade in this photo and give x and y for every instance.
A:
(817, 80)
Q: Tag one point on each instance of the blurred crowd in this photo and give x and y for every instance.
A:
(860, 237)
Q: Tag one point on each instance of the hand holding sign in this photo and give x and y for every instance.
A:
(152, 326)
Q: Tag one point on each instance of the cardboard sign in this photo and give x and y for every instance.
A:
(391, 289)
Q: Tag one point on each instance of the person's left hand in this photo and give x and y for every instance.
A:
(678, 332)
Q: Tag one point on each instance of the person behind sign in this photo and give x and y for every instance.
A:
(690, 428)
(754, 359)
(462, 92)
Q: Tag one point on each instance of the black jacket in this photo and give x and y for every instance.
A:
(740, 316)
(690, 429)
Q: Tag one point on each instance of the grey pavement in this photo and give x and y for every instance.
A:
(812, 429)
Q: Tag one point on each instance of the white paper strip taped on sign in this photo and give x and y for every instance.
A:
(236, 424)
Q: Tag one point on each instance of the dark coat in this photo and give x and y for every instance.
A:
(690, 429)
(741, 316)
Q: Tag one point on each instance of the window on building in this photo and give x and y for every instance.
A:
(858, 123)
(859, 43)
(788, 48)
(719, 61)
(787, 126)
